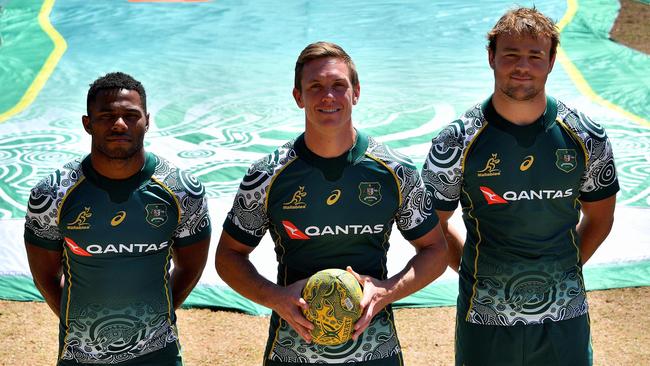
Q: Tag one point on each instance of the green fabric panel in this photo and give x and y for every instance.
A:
(443, 293)
(586, 39)
(24, 47)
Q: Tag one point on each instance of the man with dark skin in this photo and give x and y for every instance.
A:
(537, 185)
(101, 233)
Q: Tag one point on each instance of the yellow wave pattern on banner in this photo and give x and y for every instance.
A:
(49, 65)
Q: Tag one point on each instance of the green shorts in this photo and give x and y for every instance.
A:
(168, 356)
(565, 342)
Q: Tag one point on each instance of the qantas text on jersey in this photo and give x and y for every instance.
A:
(310, 231)
(543, 194)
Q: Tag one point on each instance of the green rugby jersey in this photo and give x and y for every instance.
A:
(519, 188)
(117, 238)
(331, 213)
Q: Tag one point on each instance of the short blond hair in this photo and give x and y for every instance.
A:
(321, 50)
(525, 22)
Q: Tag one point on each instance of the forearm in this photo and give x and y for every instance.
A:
(592, 233)
(183, 281)
(427, 265)
(51, 288)
(455, 246)
(240, 274)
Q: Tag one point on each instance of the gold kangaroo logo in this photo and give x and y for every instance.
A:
(296, 200)
(80, 222)
(490, 169)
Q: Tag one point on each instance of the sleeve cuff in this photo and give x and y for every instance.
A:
(600, 194)
(240, 235)
(419, 231)
(54, 245)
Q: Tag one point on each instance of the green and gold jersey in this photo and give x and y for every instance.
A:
(520, 189)
(117, 238)
(331, 213)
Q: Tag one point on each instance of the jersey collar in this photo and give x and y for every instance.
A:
(120, 189)
(332, 167)
(545, 121)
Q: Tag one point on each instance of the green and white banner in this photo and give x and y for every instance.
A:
(219, 76)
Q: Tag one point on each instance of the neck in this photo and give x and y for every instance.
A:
(117, 168)
(519, 112)
(330, 145)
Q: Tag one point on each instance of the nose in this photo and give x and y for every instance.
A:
(119, 125)
(522, 63)
(329, 94)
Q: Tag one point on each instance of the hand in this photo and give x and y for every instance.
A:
(289, 305)
(374, 299)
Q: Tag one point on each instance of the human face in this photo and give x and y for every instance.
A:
(521, 66)
(117, 123)
(327, 94)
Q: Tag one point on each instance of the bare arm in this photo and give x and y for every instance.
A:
(454, 240)
(236, 269)
(46, 269)
(427, 264)
(189, 262)
(595, 225)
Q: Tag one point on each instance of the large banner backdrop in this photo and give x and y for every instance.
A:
(219, 76)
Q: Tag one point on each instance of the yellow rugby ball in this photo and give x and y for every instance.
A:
(334, 297)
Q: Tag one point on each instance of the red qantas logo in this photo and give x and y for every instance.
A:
(293, 231)
(491, 197)
(76, 249)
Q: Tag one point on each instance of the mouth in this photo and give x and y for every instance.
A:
(118, 139)
(520, 78)
(329, 110)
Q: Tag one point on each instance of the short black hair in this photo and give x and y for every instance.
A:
(115, 80)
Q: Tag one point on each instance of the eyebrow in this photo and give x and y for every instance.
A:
(510, 49)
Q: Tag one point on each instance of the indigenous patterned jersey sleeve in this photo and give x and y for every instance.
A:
(443, 167)
(194, 221)
(248, 220)
(41, 220)
(415, 215)
(599, 180)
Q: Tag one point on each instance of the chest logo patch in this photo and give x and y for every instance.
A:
(490, 169)
(566, 159)
(156, 214)
(370, 193)
(491, 197)
(80, 223)
(296, 202)
(334, 197)
(76, 249)
(293, 231)
(118, 218)
(527, 163)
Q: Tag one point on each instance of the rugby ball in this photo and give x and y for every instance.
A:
(334, 297)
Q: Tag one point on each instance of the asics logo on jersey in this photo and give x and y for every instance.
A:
(76, 249)
(79, 222)
(118, 218)
(293, 231)
(296, 202)
(529, 195)
(490, 169)
(334, 197)
(527, 163)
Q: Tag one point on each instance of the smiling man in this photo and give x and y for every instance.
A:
(100, 234)
(329, 199)
(524, 168)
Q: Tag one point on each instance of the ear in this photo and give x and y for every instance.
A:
(550, 67)
(85, 120)
(491, 58)
(146, 124)
(356, 92)
(298, 97)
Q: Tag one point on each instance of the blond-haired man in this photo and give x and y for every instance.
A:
(524, 167)
(329, 199)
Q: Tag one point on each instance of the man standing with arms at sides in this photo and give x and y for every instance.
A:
(329, 199)
(111, 223)
(524, 167)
